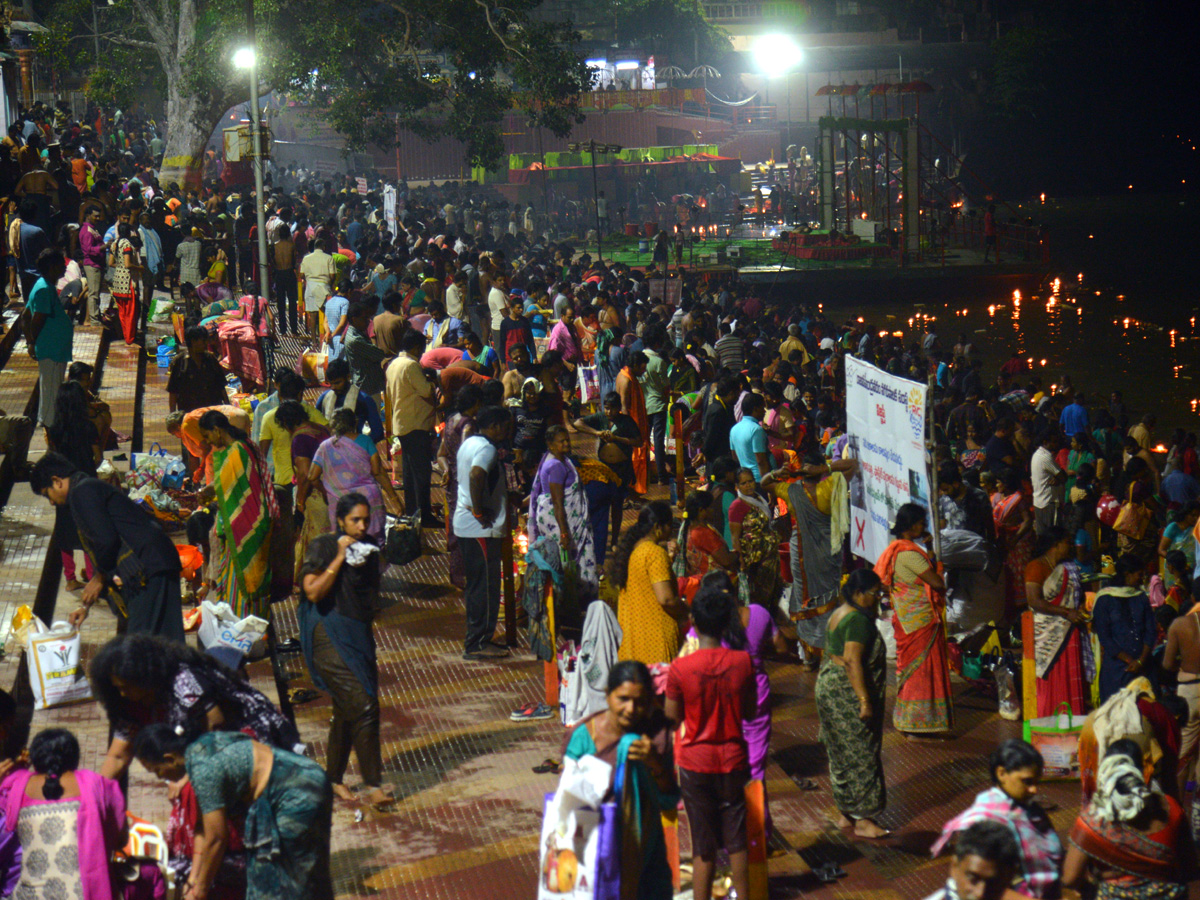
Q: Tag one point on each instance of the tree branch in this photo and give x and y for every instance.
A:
(487, 12)
(155, 25)
(131, 42)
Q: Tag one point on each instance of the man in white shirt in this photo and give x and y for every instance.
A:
(318, 272)
(456, 296)
(497, 303)
(479, 524)
(1047, 478)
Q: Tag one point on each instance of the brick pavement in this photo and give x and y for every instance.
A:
(470, 806)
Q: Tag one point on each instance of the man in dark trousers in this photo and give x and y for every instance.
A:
(136, 563)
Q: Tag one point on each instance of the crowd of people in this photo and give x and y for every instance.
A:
(495, 361)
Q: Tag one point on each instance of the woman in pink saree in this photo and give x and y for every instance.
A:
(347, 462)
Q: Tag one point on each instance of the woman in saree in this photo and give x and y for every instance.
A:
(1062, 655)
(285, 800)
(633, 732)
(633, 402)
(923, 700)
(1177, 536)
(247, 508)
(1132, 839)
(348, 462)
(66, 822)
(124, 276)
(701, 544)
(1016, 769)
(1014, 532)
(850, 696)
(558, 508)
(755, 541)
(306, 437)
(817, 567)
(607, 367)
(1082, 451)
(1124, 625)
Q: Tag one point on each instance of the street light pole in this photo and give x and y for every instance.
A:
(256, 128)
(596, 203)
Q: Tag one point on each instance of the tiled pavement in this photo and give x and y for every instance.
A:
(470, 806)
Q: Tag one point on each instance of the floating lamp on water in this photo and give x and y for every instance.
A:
(1158, 449)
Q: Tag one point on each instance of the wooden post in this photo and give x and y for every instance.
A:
(510, 590)
(677, 431)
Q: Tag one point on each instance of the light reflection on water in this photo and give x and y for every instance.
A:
(1144, 345)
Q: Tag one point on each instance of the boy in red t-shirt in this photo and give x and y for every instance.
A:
(712, 691)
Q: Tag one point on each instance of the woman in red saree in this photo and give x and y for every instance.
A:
(1132, 839)
(1062, 659)
(923, 701)
(1014, 530)
(633, 402)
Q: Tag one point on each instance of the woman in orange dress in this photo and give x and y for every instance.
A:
(1014, 530)
(918, 595)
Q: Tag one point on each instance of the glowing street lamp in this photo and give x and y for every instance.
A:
(777, 56)
(245, 58)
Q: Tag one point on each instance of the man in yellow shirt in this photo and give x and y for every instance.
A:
(276, 446)
(793, 342)
(412, 399)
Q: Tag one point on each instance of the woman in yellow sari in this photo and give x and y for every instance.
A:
(247, 509)
(923, 701)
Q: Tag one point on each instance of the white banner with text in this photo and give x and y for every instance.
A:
(885, 423)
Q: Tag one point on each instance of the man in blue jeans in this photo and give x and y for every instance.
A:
(657, 390)
(619, 435)
(480, 522)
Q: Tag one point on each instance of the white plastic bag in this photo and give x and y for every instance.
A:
(221, 628)
(55, 672)
(570, 831)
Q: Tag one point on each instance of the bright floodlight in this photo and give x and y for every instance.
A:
(243, 57)
(776, 54)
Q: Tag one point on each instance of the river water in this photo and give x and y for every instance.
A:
(1119, 311)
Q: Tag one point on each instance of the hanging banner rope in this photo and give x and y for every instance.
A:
(713, 96)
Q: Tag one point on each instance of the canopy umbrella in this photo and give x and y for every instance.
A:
(917, 87)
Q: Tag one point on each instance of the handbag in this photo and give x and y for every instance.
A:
(1132, 520)
(580, 851)
(404, 540)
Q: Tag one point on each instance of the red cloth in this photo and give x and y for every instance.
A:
(128, 314)
(712, 684)
(239, 350)
(441, 357)
(1064, 682)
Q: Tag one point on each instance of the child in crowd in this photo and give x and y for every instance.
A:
(712, 691)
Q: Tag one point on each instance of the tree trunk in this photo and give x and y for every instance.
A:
(189, 125)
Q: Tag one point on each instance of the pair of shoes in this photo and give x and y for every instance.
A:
(530, 712)
(487, 650)
(74, 585)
